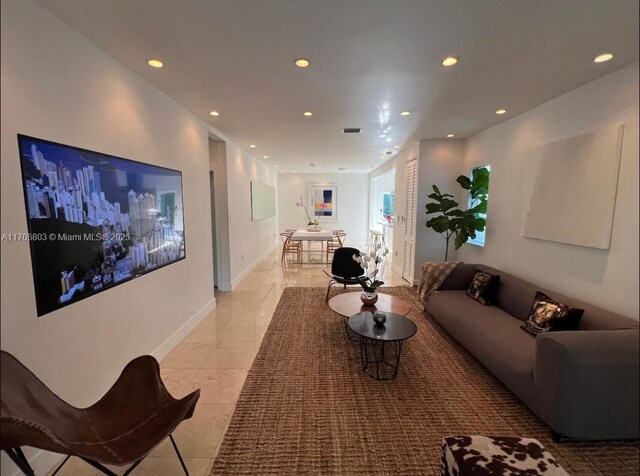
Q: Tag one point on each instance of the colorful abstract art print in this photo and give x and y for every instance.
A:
(323, 202)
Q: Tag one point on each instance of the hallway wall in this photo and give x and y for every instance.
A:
(57, 85)
(249, 241)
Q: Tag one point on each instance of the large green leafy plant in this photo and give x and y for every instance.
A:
(449, 220)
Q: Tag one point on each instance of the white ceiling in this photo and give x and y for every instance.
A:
(370, 59)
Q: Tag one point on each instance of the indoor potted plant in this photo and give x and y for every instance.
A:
(312, 223)
(450, 220)
(369, 294)
(370, 263)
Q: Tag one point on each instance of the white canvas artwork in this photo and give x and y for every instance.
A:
(574, 192)
(263, 201)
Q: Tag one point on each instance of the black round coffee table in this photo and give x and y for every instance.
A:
(374, 339)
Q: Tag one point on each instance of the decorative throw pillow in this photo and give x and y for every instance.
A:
(548, 315)
(483, 287)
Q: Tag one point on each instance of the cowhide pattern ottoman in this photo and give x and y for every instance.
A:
(508, 456)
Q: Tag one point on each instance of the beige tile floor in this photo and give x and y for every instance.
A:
(215, 357)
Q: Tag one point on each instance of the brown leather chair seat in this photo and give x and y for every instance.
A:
(133, 417)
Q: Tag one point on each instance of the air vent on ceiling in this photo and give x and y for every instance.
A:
(351, 130)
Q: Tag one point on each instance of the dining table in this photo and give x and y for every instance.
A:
(310, 236)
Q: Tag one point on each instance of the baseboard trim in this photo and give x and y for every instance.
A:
(235, 282)
(44, 461)
(168, 345)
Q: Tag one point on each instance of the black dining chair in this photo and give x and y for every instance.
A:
(344, 269)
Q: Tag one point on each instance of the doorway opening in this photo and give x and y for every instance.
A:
(219, 214)
(382, 208)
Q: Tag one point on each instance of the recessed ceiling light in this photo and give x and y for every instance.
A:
(302, 62)
(265, 156)
(155, 63)
(308, 113)
(450, 136)
(383, 157)
(501, 111)
(214, 113)
(604, 57)
(396, 146)
(276, 166)
(405, 113)
(449, 61)
(253, 146)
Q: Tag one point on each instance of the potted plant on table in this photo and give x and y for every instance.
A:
(312, 223)
(370, 263)
(369, 294)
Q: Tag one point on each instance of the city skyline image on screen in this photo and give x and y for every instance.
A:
(96, 220)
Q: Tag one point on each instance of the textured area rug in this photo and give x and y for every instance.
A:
(307, 407)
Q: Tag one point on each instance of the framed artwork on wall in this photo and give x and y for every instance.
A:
(323, 202)
(574, 194)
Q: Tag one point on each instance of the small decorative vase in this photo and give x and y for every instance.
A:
(379, 330)
(369, 298)
(379, 318)
(312, 227)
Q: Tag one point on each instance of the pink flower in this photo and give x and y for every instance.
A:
(302, 205)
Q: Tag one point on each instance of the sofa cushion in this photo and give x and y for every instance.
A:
(514, 295)
(460, 277)
(483, 287)
(595, 318)
(548, 315)
(491, 335)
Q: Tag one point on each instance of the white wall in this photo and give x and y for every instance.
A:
(439, 164)
(250, 241)
(608, 278)
(352, 200)
(57, 85)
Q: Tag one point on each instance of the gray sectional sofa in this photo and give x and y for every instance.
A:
(583, 383)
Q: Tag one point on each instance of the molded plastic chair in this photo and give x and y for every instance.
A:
(122, 428)
(344, 269)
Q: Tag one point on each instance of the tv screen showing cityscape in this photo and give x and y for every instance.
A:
(95, 220)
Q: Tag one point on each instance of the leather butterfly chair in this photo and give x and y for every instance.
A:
(344, 269)
(122, 428)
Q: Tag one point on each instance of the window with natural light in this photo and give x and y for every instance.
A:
(474, 201)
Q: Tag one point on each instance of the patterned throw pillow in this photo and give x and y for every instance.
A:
(548, 315)
(483, 287)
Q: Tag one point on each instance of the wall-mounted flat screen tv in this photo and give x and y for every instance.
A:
(95, 220)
